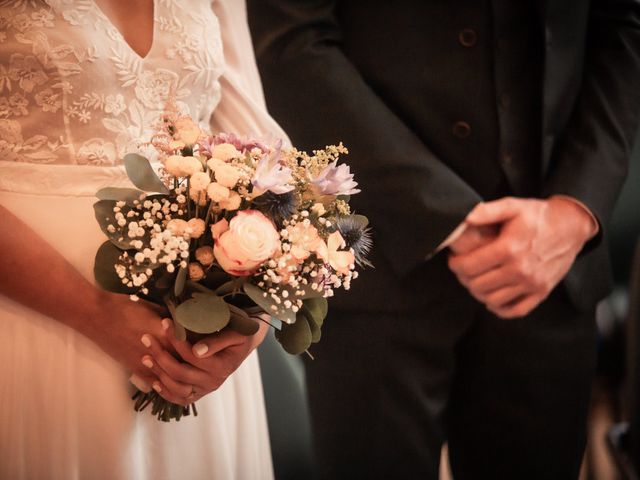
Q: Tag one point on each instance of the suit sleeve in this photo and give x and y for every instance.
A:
(414, 201)
(591, 159)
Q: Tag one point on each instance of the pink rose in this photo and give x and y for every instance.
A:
(250, 240)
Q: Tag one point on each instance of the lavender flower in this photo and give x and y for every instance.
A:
(271, 175)
(335, 180)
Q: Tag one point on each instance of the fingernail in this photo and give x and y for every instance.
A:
(201, 349)
(139, 383)
(165, 324)
(157, 387)
(146, 340)
(147, 362)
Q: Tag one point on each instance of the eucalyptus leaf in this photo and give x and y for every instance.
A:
(198, 287)
(203, 313)
(317, 308)
(269, 305)
(181, 278)
(103, 210)
(229, 287)
(316, 332)
(142, 175)
(214, 278)
(178, 330)
(296, 337)
(119, 194)
(104, 269)
(241, 322)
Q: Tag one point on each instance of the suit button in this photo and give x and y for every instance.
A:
(468, 37)
(506, 159)
(461, 129)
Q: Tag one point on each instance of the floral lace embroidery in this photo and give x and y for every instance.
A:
(73, 91)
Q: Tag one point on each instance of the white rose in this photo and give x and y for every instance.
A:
(250, 240)
(199, 181)
(180, 166)
(227, 175)
(225, 152)
(217, 192)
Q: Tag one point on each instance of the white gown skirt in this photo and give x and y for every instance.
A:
(65, 406)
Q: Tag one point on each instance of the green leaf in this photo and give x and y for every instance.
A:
(317, 308)
(269, 305)
(122, 194)
(295, 338)
(104, 269)
(178, 330)
(232, 286)
(214, 278)
(142, 175)
(241, 322)
(103, 210)
(203, 313)
(181, 278)
(316, 331)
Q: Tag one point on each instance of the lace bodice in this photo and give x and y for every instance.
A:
(72, 90)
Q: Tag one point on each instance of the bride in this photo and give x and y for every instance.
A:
(81, 84)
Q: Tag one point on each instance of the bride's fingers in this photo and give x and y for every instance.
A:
(205, 348)
(142, 382)
(217, 342)
(177, 388)
(165, 393)
(178, 371)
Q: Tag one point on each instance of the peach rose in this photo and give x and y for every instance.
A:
(195, 227)
(187, 130)
(177, 226)
(225, 152)
(225, 174)
(196, 272)
(180, 166)
(250, 240)
(232, 202)
(205, 255)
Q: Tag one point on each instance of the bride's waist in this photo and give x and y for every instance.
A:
(63, 180)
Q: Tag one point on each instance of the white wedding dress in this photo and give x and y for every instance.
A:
(74, 98)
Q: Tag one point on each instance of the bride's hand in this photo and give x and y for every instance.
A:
(205, 370)
(118, 327)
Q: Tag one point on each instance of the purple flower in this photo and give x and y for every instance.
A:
(335, 180)
(242, 144)
(271, 175)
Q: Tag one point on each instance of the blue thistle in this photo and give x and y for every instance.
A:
(278, 207)
(356, 233)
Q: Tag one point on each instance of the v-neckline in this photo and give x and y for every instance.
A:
(102, 14)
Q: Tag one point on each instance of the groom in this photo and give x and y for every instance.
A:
(490, 139)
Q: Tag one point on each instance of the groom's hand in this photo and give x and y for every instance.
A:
(537, 242)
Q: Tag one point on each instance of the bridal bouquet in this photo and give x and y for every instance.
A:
(228, 230)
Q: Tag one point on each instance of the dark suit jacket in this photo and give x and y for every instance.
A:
(389, 79)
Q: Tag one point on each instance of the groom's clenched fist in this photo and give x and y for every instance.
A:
(536, 244)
